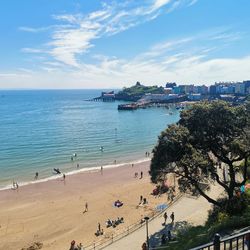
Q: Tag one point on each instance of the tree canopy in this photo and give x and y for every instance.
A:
(137, 91)
(210, 137)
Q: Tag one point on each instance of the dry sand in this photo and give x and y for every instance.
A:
(52, 212)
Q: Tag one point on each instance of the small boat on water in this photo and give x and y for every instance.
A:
(130, 106)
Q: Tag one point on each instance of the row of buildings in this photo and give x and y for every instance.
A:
(235, 88)
(228, 91)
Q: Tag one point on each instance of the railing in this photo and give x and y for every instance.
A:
(239, 241)
(97, 245)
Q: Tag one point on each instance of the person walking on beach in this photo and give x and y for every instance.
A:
(172, 217)
(141, 199)
(141, 175)
(64, 176)
(165, 217)
(86, 207)
(99, 227)
(36, 176)
(101, 170)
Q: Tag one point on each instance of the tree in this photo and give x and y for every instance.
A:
(208, 135)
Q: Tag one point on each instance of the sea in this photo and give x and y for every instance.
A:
(45, 129)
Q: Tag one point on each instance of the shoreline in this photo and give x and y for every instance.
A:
(73, 172)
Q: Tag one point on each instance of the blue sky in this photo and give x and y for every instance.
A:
(114, 43)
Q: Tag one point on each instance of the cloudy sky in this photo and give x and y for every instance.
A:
(114, 43)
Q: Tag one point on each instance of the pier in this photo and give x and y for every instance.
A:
(105, 97)
(130, 106)
(134, 105)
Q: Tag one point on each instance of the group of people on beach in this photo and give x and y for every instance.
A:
(58, 171)
(114, 223)
(109, 223)
(99, 230)
(143, 200)
(141, 174)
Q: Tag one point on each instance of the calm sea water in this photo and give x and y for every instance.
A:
(40, 130)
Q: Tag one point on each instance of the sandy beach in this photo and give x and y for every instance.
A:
(52, 212)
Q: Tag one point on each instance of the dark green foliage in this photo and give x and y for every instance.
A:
(236, 206)
(199, 235)
(207, 135)
(218, 221)
(137, 91)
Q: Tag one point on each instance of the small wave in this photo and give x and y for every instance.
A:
(77, 171)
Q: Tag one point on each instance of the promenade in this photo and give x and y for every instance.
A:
(187, 210)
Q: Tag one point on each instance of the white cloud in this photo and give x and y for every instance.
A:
(184, 60)
(193, 2)
(72, 19)
(8, 75)
(33, 30)
(66, 44)
(160, 3)
(76, 33)
(189, 59)
(12, 76)
(115, 73)
(31, 50)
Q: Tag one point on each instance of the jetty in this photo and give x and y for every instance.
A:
(134, 105)
(130, 106)
(105, 97)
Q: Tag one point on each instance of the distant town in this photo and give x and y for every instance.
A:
(171, 92)
(224, 90)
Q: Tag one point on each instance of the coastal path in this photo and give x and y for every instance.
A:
(187, 210)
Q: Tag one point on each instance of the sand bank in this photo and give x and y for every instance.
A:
(52, 212)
